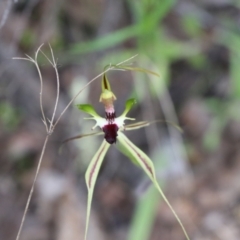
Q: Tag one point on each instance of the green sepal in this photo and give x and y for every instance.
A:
(146, 164)
(88, 109)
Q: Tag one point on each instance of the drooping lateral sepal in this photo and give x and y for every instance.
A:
(123, 147)
(146, 164)
(91, 177)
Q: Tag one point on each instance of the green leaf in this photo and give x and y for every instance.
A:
(88, 109)
(106, 41)
(91, 176)
(146, 164)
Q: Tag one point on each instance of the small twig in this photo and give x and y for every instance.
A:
(34, 61)
(54, 65)
(41, 87)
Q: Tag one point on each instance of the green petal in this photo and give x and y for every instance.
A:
(91, 176)
(88, 109)
(128, 106)
(145, 162)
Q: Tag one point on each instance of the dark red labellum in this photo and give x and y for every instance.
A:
(110, 131)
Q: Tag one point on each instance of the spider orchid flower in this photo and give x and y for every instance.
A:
(112, 127)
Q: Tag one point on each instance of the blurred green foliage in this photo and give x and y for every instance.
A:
(9, 116)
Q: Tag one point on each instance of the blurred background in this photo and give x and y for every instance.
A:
(194, 46)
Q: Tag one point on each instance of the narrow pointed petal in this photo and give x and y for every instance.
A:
(142, 124)
(136, 125)
(82, 136)
(91, 176)
(136, 69)
(146, 164)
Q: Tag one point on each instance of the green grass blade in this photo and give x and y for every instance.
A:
(91, 176)
(146, 164)
(107, 41)
(235, 73)
(232, 41)
(144, 215)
